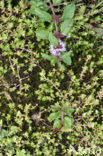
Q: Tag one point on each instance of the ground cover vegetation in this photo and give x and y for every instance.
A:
(51, 78)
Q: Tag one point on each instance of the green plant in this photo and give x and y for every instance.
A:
(63, 22)
(30, 87)
(62, 116)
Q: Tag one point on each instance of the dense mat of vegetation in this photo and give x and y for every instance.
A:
(31, 88)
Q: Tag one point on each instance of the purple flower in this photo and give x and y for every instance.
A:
(56, 50)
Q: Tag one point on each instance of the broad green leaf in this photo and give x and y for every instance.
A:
(55, 107)
(57, 123)
(54, 116)
(43, 15)
(66, 26)
(67, 122)
(52, 39)
(68, 11)
(57, 1)
(33, 3)
(66, 58)
(68, 111)
(47, 57)
(42, 34)
(32, 10)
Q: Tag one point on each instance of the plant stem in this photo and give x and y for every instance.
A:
(61, 119)
(51, 6)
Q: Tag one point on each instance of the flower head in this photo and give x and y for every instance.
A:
(56, 50)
